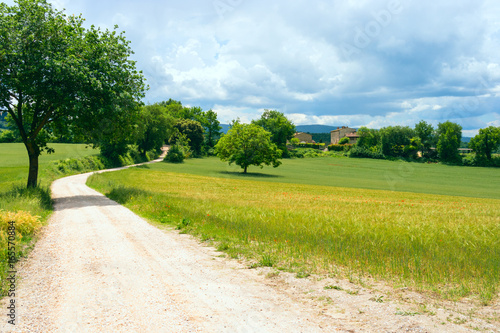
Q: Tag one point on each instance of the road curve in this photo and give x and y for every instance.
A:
(98, 267)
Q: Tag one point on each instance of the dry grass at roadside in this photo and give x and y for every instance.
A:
(442, 244)
(16, 233)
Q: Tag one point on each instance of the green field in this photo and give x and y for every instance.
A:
(14, 161)
(335, 216)
(358, 173)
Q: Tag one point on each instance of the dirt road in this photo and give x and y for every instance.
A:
(98, 267)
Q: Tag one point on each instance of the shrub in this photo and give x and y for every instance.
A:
(333, 147)
(343, 141)
(175, 154)
(361, 152)
(339, 147)
(8, 136)
(480, 161)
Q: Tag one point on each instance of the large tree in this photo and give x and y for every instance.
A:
(55, 73)
(212, 128)
(368, 137)
(248, 144)
(485, 142)
(155, 127)
(395, 140)
(193, 131)
(425, 132)
(278, 125)
(449, 138)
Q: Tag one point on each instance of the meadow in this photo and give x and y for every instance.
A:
(433, 228)
(14, 162)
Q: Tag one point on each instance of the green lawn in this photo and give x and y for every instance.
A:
(358, 173)
(14, 161)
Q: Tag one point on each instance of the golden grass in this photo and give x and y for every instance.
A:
(16, 232)
(444, 244)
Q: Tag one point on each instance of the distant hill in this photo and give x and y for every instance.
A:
(316, 128)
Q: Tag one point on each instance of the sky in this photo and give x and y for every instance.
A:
(336, 62)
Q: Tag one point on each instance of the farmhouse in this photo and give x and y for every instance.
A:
(345, 131)
(304, 137)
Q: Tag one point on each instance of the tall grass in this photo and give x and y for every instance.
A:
(442, 244)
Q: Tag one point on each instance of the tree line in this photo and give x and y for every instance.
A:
(426, 143)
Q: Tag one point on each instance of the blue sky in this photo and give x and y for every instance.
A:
(350, 62)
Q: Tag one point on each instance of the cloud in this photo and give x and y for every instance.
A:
(373, 63)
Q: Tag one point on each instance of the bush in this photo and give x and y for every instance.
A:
(335, 147)
(175, 154)
(306, 152)
(343, 141)
(475, 160)
(7, 136)
(85, 164)
(340, 147)
(361, 152)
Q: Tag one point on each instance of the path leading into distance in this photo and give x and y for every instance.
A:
(98, 267)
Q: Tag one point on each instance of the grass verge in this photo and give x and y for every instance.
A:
(445, 245)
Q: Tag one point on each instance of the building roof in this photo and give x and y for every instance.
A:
(343, 127)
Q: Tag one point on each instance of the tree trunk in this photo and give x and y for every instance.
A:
(33, 153)
(245, 170)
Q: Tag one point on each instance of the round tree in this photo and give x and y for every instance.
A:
(248, 144)
(278, 125)
(487, 141)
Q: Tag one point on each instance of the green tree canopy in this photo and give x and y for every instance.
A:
(278, 125)
(368, 137)
(485, 142)
(212, 128)
(55, 73)
(193, 131)
(449, 138)
(207, 119)
(155, 127)
(427, 136)
(396, 139)
(248, 144)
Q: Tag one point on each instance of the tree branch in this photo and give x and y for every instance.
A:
(44, 121)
